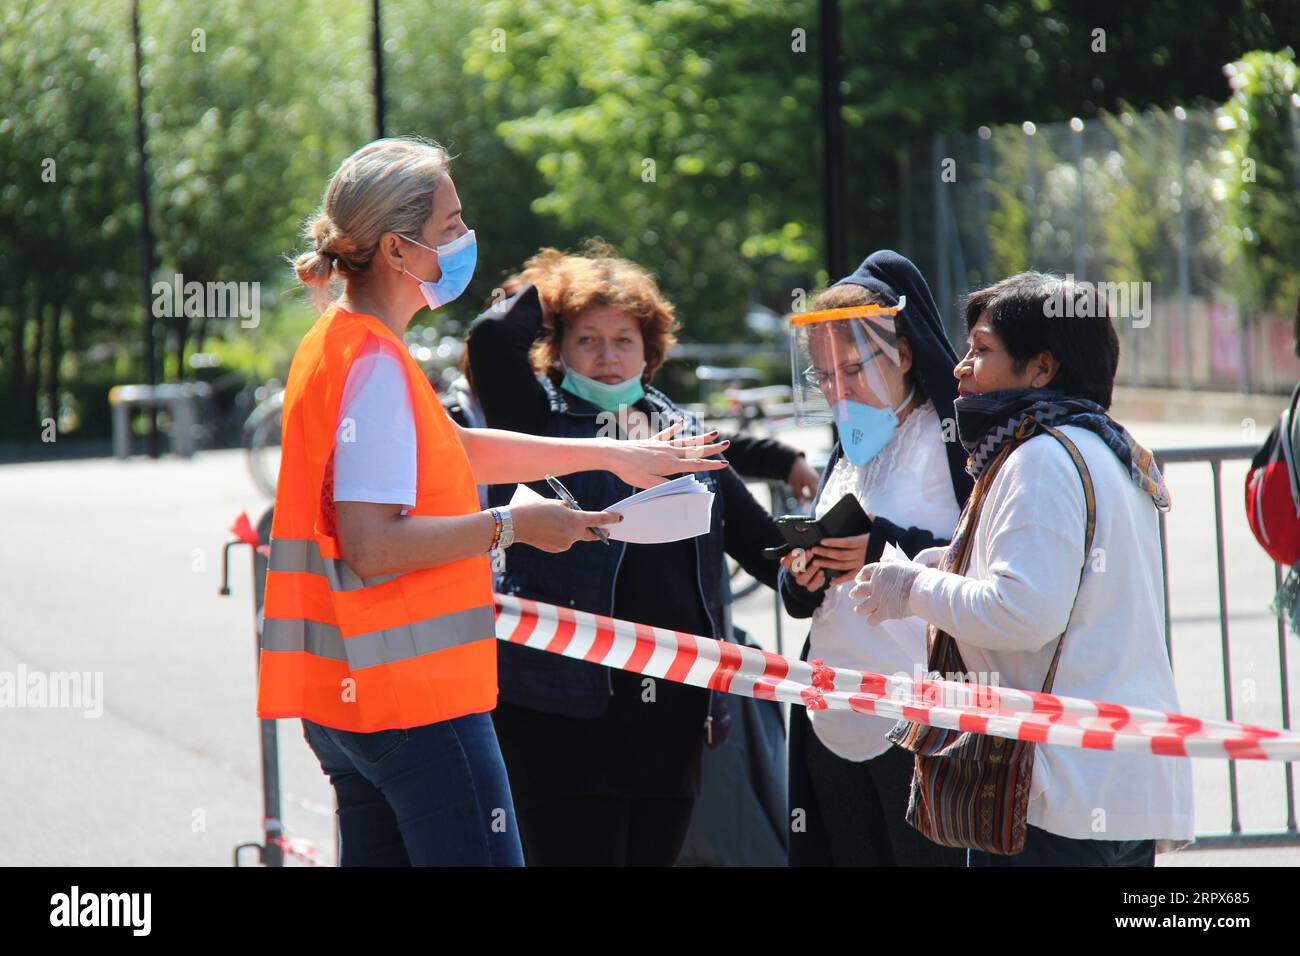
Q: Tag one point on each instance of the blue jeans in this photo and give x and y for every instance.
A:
(435, 795)
(1048, 849)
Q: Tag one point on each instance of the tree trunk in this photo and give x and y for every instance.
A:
(181, 329)
(52, 378)
(201, 333)
(31, 410)
(17, 350)
(77, 330)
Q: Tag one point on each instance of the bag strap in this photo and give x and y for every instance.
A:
(970, 513)
(941, 650)
(1286, 432)
(1090, 502)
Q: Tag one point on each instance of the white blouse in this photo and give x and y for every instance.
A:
(908, 483)
(1014, 601)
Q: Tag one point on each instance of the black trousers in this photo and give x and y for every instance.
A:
(604, 831)
(1043, 848)
(853, 813)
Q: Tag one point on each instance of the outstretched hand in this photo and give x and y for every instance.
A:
(647, 462)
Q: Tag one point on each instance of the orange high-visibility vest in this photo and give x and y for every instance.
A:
(366, 654)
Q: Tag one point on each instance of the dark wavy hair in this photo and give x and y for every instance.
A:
(1087, 347)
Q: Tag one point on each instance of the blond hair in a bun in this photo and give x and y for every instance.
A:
(385, 186)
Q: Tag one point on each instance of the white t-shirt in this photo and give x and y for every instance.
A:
(908, 483)
(1014, 601)
(374, 449)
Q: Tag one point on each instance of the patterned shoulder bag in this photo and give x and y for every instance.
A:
(972, 790)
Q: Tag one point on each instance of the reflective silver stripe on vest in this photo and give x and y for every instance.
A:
(303, 556)
(343, 578)
(295, 554)
(380, 647)
(295, 634)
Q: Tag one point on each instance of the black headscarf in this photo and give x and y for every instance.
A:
(890, 275)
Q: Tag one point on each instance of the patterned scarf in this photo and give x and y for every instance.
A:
(986, 422)
(991, 426)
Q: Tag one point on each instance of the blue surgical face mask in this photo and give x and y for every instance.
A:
(456, 259)
(608, 398)
(865, 429)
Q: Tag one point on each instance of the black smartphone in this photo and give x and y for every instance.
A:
(800, 531)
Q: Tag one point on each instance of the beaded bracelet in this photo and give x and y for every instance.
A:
(498, 525)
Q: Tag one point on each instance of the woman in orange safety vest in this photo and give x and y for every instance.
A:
(378, 622)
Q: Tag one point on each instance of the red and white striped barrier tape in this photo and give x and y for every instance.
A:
(299, 848)
(997, 711)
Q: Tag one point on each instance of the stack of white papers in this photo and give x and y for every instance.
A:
(893, 552)
(671, 511)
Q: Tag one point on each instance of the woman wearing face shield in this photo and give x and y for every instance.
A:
(872, 356)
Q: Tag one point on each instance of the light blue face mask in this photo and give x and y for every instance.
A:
(456, 259)
(865, 429)
(608, 398)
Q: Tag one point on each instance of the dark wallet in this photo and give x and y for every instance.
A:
(800, 531)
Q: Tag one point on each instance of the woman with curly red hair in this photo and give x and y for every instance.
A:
(604, 764)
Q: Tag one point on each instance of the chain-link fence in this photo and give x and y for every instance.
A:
(1141, 202)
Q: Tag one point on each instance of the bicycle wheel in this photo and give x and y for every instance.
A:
(264, 454)
(742, 585)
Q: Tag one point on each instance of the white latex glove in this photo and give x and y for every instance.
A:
(883, 589)
(930, 557)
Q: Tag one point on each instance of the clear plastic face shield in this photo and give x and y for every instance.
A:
(846, 370)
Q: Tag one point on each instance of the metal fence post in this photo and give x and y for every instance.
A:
(1214, 456)
(1184, 245)
(1031, 189)
(941, 258)
(1077, 241)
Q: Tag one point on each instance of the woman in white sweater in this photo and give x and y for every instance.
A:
(1028, 577)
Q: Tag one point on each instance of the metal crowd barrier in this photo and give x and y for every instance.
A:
(183, 401)
(1235, 838)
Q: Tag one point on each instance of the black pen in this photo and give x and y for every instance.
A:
(569, 500)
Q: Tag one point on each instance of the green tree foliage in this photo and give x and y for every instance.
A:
(686, 132)
(683, 132)
(249, 107)
(1261, 179)
(1021, 161)
(431, 94)
(67, 220)
(913, 69)
(1136, 182)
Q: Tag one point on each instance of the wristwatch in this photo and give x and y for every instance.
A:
(507, 529)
